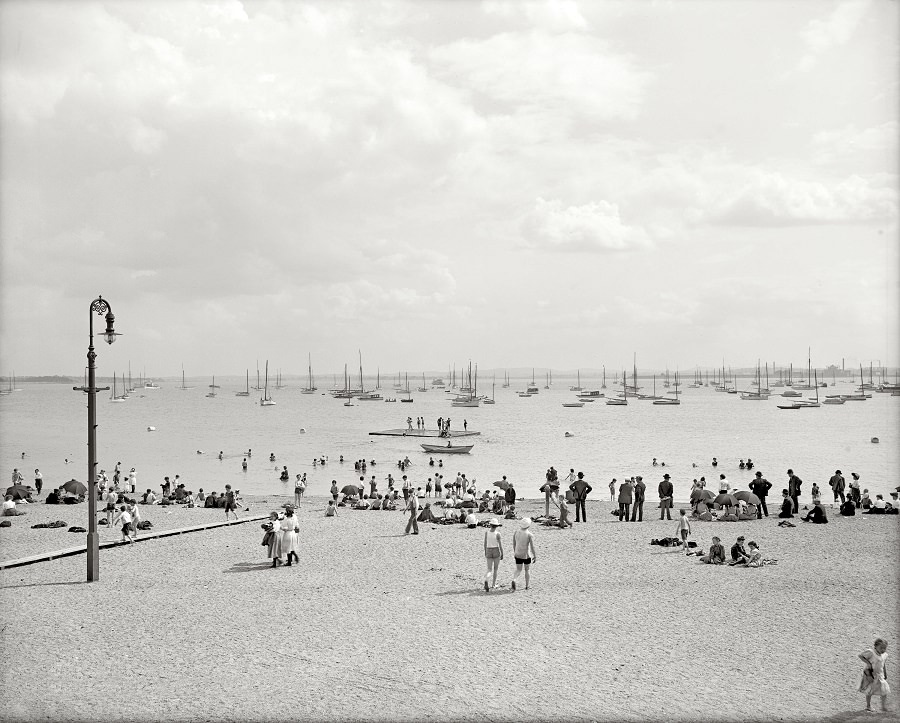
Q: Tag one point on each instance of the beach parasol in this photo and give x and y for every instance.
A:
(75, 487)
(19, 492)
(702, 495)
(725, 500)
(502, 484)
(748, 497)
(350, 491)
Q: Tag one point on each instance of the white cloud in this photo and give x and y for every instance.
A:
(590, 227)
(851, 143)
(820, 35)
(770, 198)
(535, 72)
(551, 15)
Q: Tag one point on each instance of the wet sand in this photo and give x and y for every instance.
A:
(375, 625)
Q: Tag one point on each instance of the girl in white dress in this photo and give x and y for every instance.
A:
(290, 539)
(874, 679)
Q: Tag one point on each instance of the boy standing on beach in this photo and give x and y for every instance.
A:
(523, 550)
(683, 529)
(230, 505)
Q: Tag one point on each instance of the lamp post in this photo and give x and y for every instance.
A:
(100, 307)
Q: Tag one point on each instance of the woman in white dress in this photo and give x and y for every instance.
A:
(290, 539)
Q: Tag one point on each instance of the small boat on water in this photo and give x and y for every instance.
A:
(448, 449)
(573, 404)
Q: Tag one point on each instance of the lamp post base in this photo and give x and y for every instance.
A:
(93, 556)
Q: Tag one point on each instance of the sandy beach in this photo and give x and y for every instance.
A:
(375, 625)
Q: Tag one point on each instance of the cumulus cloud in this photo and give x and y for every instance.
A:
(569, 74)
(770, 198)
(850, 142)
(822, 34)
(590, 227)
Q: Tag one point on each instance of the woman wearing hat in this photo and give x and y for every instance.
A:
(493, 552)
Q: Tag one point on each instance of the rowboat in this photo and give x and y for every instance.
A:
(448, 449)
(573, 404)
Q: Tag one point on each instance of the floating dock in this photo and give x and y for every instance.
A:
(423, 433)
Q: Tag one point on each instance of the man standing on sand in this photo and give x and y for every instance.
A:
(412, 506)
(625, 490)
(666, 490)
(523, 551)
(837, 484)
(639, 489)
(760, 487)
(794, 483)
(581, 490)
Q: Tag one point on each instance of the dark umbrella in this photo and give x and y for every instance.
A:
(697, 494)
(350, 491)
(19, 492)
(748, 497)
(725, 500)
(502, 484)
(75, 487)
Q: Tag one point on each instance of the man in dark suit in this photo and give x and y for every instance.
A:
(794, 483)
(760, 487)
(666, 490)
(580, 489)
(638, 509)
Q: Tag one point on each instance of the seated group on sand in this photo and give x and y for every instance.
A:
(740, 556)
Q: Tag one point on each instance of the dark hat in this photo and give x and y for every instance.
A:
(666, 475)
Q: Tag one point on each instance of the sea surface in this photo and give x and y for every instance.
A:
(519, 438)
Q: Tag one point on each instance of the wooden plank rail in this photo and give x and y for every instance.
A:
(143, 536)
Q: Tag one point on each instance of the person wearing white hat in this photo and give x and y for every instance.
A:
(493, 552)
(523, 550)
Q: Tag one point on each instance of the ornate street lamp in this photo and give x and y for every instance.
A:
(100, 307)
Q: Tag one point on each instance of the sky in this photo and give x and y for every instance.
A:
(520, 184)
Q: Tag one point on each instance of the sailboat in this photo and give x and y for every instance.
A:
(668, 401)
(759, 395)
(310, 386)
(532, 388)
(113, 397)
(547, 385)
(362, 394)
(623, 400)
(470, 397)
(577, 387)
(212, 388)
(423, 388)
(603, 384)
(408, 397)
(266, 400)
(278, 384)
(493, 385)
(182, 379)
(505, 380)
(246, 392)
(257, 387)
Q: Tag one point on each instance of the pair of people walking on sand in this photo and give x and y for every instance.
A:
(523, 550)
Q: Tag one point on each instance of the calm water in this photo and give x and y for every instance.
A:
(520, 437)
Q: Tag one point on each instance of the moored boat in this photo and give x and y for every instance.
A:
(447, 449)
